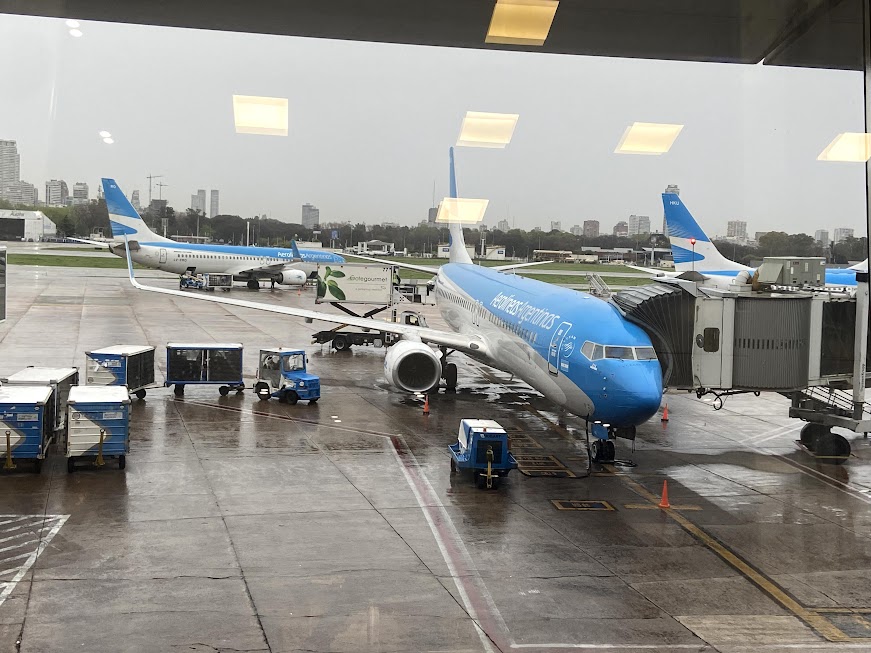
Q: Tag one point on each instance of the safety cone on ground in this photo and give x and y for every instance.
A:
(426, 405)
(665, 413)
(664, 502)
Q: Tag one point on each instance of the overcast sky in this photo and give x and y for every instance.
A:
(370, 126)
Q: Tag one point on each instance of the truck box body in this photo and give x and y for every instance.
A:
(351, 283)
(25, 413)
(59, 379)
(218, 363)
(130, 365)
(92, 409)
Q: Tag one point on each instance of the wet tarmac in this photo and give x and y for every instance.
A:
(241, 525)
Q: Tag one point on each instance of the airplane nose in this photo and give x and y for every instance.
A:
(633, 394)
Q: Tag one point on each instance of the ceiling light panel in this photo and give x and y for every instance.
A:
(487, 129)
(521, 22)
(648, 138)
(852, 147)
(461, 210)
(260, 115)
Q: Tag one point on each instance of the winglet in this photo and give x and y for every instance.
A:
(130, 264)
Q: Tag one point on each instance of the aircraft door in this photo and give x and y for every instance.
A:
(162, 255)
(555, 349)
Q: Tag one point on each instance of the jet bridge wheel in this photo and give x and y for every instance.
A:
(810, 433)
(831, 448)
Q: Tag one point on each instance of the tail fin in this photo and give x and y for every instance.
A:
(295, 250)
(123, 218)
(458, 253)
(690, 246)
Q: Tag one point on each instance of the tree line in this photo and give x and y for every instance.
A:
(82, 220)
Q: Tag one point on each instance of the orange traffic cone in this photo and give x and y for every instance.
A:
(665, 414)
(664, 502)
(426, 405)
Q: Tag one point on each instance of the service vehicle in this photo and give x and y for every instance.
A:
(343, 340)
(482, 447)
(282, 374)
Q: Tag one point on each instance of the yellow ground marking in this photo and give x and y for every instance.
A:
(650, 506)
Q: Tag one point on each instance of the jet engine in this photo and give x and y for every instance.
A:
(290, 278)
(412, 366)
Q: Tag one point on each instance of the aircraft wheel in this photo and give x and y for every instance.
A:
(610, 450)
(601, 451)
(832, 448)
(253, 284)
(262, 391)
(451, 377)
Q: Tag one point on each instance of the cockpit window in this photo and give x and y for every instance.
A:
(598, 352)
(622, 353)
(587, 349)
(645, 353)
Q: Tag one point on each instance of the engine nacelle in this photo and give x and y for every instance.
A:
(290, 278)
(412, 366)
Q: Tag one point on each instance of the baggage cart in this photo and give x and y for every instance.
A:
(130, 365)
(26, 424)
(204, 364)
(99, 425)
(59, 379)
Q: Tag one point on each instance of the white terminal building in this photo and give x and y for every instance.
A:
(26, 225)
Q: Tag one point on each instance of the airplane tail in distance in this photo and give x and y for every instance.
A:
(295, 250)
(690, 246)
(123, 218)
(458, 252)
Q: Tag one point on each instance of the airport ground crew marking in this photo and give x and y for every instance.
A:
(584, 504)
(22, 539)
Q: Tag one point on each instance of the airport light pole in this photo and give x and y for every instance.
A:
(693, 243)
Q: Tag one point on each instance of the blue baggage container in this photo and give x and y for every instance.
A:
(59, 379)
(128, 365)
(26, 427)
(99, 425)
(204, 364)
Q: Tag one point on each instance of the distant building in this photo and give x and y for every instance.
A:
(10, 163)
(157, 208)
(842, 233)
(536, 228)
(822, 236)
(80, 193)
(577, 230)
(26, 225)
(134, 200)
(503, 225)
(736, 229)
(213, 204)
(56, 192)
(198, 201)
(621, 229)
(390, 225)
(20, 192)
(591, 228)
(311, 216)
(638, 224)
(671, 188)
(556, 225)
(432, 214)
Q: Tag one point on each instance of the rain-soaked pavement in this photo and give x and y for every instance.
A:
(242, 525)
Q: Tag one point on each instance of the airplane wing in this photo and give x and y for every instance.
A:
(95, 243)
(467, 343)
(514, 266)
(267, 269)
(652, 272)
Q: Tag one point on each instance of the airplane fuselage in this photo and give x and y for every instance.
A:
(575, 349)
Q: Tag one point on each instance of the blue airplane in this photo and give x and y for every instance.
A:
(693, 250)
(251, 264)
(575, 349)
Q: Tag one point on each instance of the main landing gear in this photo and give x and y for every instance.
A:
(449, 373)
(253, 284)
(826, 446)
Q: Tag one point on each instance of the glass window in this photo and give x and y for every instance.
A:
(645, 353)
(587, 349)
(293, 363)
(598, 352)
(621, 353)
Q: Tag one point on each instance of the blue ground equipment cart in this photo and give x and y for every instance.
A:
(99, 425)
(482, 446)
(26, 424)
(204, 364)
(59, 379)
(282, 374)
(130, 365)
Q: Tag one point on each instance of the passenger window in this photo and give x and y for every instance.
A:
(620, 353)
(711, 339)
(645, 353)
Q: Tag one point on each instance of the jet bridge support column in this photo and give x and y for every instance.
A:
(862, 278)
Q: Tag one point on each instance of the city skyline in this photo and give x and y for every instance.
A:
(357, 149)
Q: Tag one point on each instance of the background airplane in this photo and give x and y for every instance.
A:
(575, 349)
(251, 264)
(692, 249)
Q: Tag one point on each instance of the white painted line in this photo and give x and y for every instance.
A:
(18, 546)
(60, 520)
(9, 521)
(17, 527)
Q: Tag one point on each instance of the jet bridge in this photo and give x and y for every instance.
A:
(725, 339)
